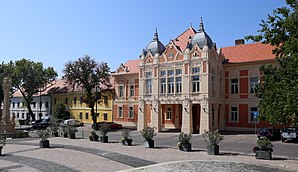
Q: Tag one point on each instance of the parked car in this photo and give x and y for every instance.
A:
(112, 125)
(289, 133)
(73, 122)
(270, 133)
(40, 124)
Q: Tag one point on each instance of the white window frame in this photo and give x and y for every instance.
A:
(132, 90)
(234, 86)
(171, 85)
(163, 85)
(120, 112)
(105, 116)
(234, 115)
(169, 114)
(253, 84)
(130, 112)
(195, 84)
(178, 84)
(121, 90)
(148, 86)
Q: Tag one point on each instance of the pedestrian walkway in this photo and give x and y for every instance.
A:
(84, 155)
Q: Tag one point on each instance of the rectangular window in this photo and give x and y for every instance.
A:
(105, 100)
(234, 114)
(120, 112)
(178, 72)
(18, 104)
(132, 90)
(18, 115)
(149, 74)
(55, 101)
(162, 73)
(130, 113)
(23, 115)
(47, 104)
(66, 101)
(234, 86)
(148, 86)
(196, 84)
(170, 85)
(34, 104)
(81, 115)
(171, 54)
(178, 84)
(105, 116)
(254, 81)
(13, 104)
(120, 91)
(40, 104)
(163, 85)
(81, 100)
(252, 118)
(170, 72)
(86, 115)
(169, 114)
(74, 100)
(195, 70)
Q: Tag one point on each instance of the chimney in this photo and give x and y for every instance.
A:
(239, 42)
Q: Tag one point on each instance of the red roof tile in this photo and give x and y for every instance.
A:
(248, 52)
(183, 38)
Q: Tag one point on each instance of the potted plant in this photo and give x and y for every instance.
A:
(184, 142)
(264, 149)
(71, 131)
(93, 136)
(212, 138)
(2, 143)
(54, 127)
(63, 130)
(104, 129)
(44, 135)
(126, 138)
(148, 133)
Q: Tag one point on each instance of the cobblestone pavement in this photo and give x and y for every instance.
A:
(84, 155)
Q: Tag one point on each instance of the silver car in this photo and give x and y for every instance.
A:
(290, 133)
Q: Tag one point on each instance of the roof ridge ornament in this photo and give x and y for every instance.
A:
(155, 38)
(201, 28)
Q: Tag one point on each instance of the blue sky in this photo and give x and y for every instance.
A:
(57, 31)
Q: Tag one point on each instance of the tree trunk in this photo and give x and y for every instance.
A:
(94, 117)
(30, 112)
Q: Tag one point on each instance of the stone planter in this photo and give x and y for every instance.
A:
(267, 155)
(185, 147)
(149, 143)
(55, 134)
(94, 138)
(1, 147)
(104, 139)
(71, 135)
(213, 150)
(44, 144)
(127, 142)
(65, 135)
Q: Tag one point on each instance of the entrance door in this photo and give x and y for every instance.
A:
(196, 110)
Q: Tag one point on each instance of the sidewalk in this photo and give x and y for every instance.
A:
(84, 155)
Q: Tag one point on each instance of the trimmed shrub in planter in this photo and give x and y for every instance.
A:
(54, 128)
(126, 138)
(71, 131)
(264, 149)
(103, 131)
(44, 135)
(212, 138)
(184, 142)
(93, 136)
(148, 134)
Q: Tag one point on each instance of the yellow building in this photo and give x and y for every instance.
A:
(73, 100)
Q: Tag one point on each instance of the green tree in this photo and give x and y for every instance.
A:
(60, 111)
(278, 90)
(29, 77)
(92, 77)
(1, 94)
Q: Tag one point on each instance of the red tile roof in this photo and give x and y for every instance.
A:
(60, 86)
(248, 52)
(130, 67)
(183, 38)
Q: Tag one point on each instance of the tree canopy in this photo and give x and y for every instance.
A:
(60, 112)
(29, 78)
(278, 89)
(91, 76)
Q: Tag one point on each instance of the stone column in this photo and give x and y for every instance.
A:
(187, 117)
(205, 115)
(156, 117)
(6, 125)
(141, 115)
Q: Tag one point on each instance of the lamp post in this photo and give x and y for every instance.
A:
(255, 119)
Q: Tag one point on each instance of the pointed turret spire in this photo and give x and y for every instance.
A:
(201, 29)
(155, 38)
